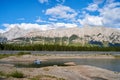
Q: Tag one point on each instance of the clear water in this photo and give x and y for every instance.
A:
(110, 64)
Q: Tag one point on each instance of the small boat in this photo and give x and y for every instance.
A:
(37, 61)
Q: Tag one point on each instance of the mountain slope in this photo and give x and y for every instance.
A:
(86, 33)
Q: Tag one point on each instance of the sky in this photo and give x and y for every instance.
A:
(56, 14)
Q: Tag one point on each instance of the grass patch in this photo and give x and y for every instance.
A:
(98, 78)
(23, 53)
(117, 56)
(17, 54)
(46, 77)
(5, 55)
(16, 74)
(2, 74)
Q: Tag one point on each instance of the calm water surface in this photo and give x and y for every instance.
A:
(110, 64)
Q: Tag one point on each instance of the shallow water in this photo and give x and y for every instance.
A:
(110, 64)
(62, 52)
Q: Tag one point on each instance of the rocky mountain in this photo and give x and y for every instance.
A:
(14, 33)
(17, 32)
(2, 38)
(102, 34)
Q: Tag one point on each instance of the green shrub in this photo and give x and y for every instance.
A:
(117, 56)
(16, 74)
(4, 55)
(56, 47)
(23, 53)
(2, 74)
(41, 77)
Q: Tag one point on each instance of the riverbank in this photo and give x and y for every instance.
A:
(79, 72)
(44, 57)
(76, 72)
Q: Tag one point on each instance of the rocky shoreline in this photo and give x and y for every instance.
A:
(44, 57)
(71, 72)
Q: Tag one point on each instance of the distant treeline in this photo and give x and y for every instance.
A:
(48, 47)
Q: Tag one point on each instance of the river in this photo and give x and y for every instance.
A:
(110, 64)
(61, 52)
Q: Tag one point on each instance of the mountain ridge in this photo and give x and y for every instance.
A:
(88, 33)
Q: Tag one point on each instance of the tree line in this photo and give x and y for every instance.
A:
(55, 47)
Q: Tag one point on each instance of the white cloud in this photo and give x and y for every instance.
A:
(91, 20)
(25, 26)
(92, 7)
(111, 14)
(64, 25)
(43, 1)
(29, 26)
(110, 1)
(61, 12)
(8, 26)
(46, 1)
(52, 19)
(39, 20)
(2, 31)
(98, 1)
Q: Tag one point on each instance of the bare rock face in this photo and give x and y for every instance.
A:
(14, 33)
(86, 33)
(17, 32)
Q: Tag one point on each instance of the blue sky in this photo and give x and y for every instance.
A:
(52, 14)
